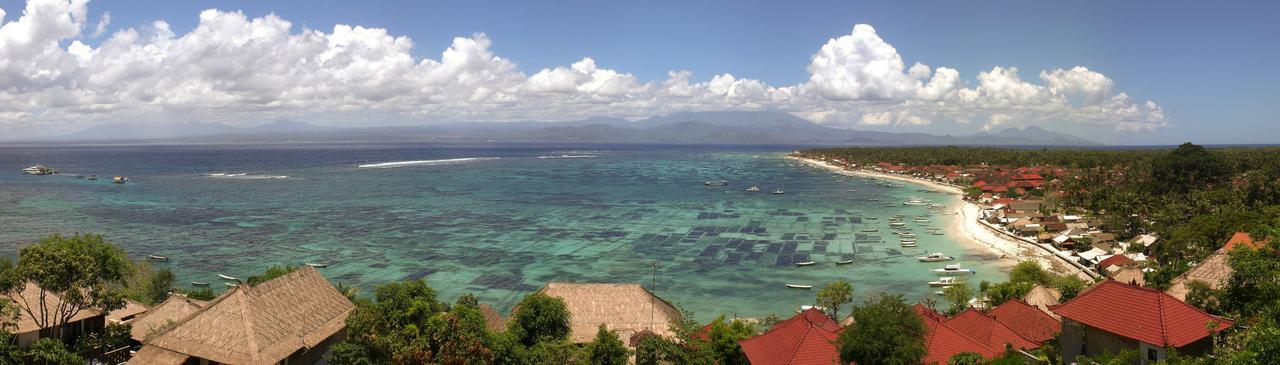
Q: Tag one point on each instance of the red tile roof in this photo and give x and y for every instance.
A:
(986, 329)
(1242, 238)
(806, 338)
(1115, 260)
(1146, 315)
(1026, 320)
(942, 342)
(1028, 177)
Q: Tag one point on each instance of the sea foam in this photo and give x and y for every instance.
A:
(568, 156)
(424, 162)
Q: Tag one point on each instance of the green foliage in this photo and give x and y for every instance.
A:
(540, 318)
(387, 329)
(958, 295)
(1029, 272)
(1107, 358)
(722, 341)
(1252, 288)
(113, 336)
(147, 285)
(1201, 296)
(607, 349)
(1009, 290)
(1187, 167)
(272, 272)
(50, 351)
(833, 296)
(966, 358)
(888, 332)
(202, 294)
(1261, 346)
(652, 349)
(86, 271)
(1069, 285)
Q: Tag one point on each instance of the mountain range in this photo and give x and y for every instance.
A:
(680, 128)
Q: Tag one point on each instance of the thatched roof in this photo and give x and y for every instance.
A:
(130, 311)
(1130, 275)
(1214, 270)
(492, 319)
(30, 295)
(260, 324)
(623, 308)
(1043, 297)
(168, 312)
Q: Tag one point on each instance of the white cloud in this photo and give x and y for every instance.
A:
(237, 69)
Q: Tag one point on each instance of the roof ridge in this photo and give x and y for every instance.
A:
(803, 336)
(199, 311)
(1164, 335)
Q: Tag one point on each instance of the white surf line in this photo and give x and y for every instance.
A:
(423, 162)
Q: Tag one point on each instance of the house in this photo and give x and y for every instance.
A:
(1213, 270)
(172, 310)
(1027, 321)
(27, 328)
(1114, 262)
(987, 330)
(1129, 275)
(292, 319)
(1012, 324)
(806, 338)
(132, 309)
(1112, 317)
(623, 308)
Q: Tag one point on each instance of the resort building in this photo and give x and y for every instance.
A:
(1043, 298)
(623, 308)
(1112, 317)
(170, 311)
(27, 328)
(1213, 270)
(806, 338)
(291, 319)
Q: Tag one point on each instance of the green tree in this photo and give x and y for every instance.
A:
(833, 296)
(1200, 295)
(1261, 345)
(272, 272)
(966, 358)
(159, 286)
(958, 295)
(458, 336)
(202, 294)
(85, 271)
(888, 332)
(607, 349)
(384, 330)
(722, 343)
(1187, 167)
(540, 318)
(50, 351)
(1029, 272)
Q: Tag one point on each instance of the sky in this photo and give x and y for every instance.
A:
(1117, 72)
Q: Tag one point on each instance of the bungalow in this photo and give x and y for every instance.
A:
(292, 319)
(27, 328)
(1043, 298)
(1149, 321)
(623, 308)
(806, 338)
(170, 311)
(1213, 270)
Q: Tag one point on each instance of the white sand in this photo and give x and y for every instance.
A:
(976, 234)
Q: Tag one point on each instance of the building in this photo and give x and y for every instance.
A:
(292, 319)
(27, 328)
(623, 308)
(806, 338)
(1027, 321)
(1043, 297)
(1213, 270)
(1112, 317)
(170, 311)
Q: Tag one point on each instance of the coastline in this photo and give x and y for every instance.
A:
(974, 233)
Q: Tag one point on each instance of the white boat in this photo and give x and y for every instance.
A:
(716, 183)
(754, 189)
(915, 201)
(119, 180)
(935, 257)
(224, 277)
(908, 235)
(844, 262)
(157, 258)
(199, 283)
(778, 192)
(945, 281)
(230, 284)
(805, 263)
(954, 269)
(808, 307)
(317, 265)
(908, 244)
(798, 286)
(39, 169)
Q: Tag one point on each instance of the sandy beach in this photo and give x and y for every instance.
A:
(974, 233)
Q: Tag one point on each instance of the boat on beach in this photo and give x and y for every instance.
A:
(935, 257)
(157, 258)
(799, 286)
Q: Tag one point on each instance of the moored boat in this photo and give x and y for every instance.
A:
(935, 257)
(716, 183)
(754, 189)
(317, 265)
(799, 286)
(953, 269)
(915, 201)
(844, 262)
(778, 192)
(157, 258)
(805, 263)
(119, 180)
(199, 283)
(945, 281)
(225, 277)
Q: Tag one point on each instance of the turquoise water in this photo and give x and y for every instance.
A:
(498, 227)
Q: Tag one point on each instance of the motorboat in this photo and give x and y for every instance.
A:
(954, 268)
(945, 281)
(907, 235)
(92, 177)
(908, 244)
(805, 263)
(716, 183)
(224, 277)
(317, 265)
(39, 169)
(778, 192)
(157, 258)
(798, 286)
(754, 189)
(119, 180)
(935, 257)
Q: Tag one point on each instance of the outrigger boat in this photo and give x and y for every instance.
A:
(870, 230)
(805, 263)
(230, 284)
(778, 192)
(716, 183)
(317, 265)
(908, 244)
(199, 283)
(754, 189)
(157, 258)
(224, 277)
(798, 286)
(844, 262)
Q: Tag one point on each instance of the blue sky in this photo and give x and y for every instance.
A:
(1206, 65)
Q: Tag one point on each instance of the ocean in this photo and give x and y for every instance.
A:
(495, 220)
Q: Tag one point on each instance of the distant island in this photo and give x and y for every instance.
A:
(759, 128)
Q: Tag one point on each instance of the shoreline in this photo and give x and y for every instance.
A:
(973, 233)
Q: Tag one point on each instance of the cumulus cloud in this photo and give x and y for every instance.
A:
(239, 69)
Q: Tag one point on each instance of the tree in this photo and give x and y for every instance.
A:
(722, 342)
(458, 336)
(1200, 295)
(272, 272)
(147, 285)
(966, 358)
(384, 330)
(607, 349)
(540, 318)
(50, 351)
(159, 286)
(958, 295)
(1029, 272)
(888, 332)
(834, 295)
(85, 271)
(1189, 166)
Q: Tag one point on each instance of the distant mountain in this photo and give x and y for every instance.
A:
(679, 128)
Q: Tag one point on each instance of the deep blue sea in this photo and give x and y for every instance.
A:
(495, 220)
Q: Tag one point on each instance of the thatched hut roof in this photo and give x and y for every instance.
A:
(30, 293)
(623, 308)
(1043, 297)
(132, 309)
(1130, 275)
(170, 311)
(261, 324)
(1214, 271)
(492, 319)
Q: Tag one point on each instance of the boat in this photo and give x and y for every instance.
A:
(199, 283)
(889, 205)
(798, 286)
(908, 244)
(937, 233)
(907, 235)
(954, 268)
(808, 307)
(777, 192)
(317, 265)
(935, 257)
(870, 230)
(915, 201)
(945, 281)
(157, 258)
(230, 284)
(853, 190)
(805, 263)
(119, 179)
(754, 189)
(844, 262)
(92, 177)
(716, 183)
(224, 277)
(39, 169)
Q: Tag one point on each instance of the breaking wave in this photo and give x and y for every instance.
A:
(424, 162)
(569, 156)
(244, 176)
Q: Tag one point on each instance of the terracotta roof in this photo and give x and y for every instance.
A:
(1142, 314)
(623, 308)
(1114, 260)
(806, 338)
(170, 311)
(1242, 238)
(942, 341)
(987, 330)
(260, 324)
(1026, 320)
(30, 295)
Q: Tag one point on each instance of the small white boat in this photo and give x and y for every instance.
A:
(908, 235)
(754, 189)
(224, 277)
(778, 192)
(915, 201)
(199, 283)
(935, 257)
(798, 286)
(844, 262)
(808, 307)
(870, 230)
(157, 258)
(908, 244)
(953, 269)
(317, 265)
(945, 281)
(716, 183)
(119, 180)
(805, 263)
(231, 284)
